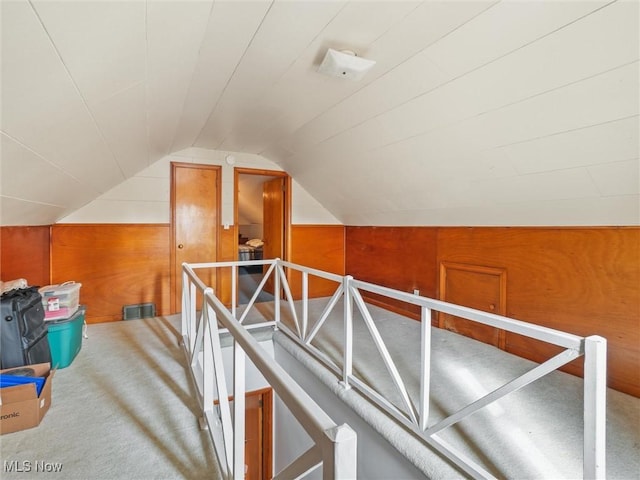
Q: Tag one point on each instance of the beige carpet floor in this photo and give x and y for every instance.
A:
(124, 409)
(534, 433)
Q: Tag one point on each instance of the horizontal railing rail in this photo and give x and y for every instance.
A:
(414, 413)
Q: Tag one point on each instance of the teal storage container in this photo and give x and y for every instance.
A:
(65, 338)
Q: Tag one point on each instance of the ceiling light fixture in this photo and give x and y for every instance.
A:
(345, 64)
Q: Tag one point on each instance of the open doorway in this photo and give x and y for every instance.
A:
(262, 220)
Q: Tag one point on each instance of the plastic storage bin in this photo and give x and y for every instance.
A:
(65, 338)
(60, 301)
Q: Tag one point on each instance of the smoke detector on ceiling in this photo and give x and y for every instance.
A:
(345, 64)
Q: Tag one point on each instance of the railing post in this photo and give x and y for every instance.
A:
(347, 368)
(185, 304)
(305, 304)
(425, 366)
(192, 316)
(340, 454)
(234, 293)
(208, 362)
(595, 403)
(276, 291)
(238, 410)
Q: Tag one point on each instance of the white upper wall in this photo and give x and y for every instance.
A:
(144, 198)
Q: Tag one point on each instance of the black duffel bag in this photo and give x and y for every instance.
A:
(23, 332)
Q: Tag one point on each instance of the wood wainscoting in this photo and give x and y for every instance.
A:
(117, 264)
(25, 253)
(403, 258)
(320, 247)
(584, 281)
(227, 252)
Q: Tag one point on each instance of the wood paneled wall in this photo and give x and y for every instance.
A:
(25, 254)
(580, 280)
(403, 258)
(320, 247)
(227, 252)
(584, 281)
(117, 265)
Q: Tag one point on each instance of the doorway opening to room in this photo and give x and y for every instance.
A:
(262, 200)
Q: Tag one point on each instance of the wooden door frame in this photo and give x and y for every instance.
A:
(266, 395)
(237, 171)
(172, 240)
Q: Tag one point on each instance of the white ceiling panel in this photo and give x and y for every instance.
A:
(138, 188)
(450, 45)
(102, 43)
(504, 28)
(47, 183)
(110, 75)
(477, 112)
(412, 73)
(603, 98)
(407, 80)
(355, 27)
(571, 183)
(230, 30)
(503, 83)
(31, 69)
(14, 211)
(445, 154)
(600, 99)
(615, 210)
(619, 178)
(118, 211)
(58, 126)
(603, 143)
(569, 212)
(286, 31)
(576, 52)
(175, 31)
(122, 121)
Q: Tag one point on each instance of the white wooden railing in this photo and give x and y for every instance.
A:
(415, 415)
(334, 447)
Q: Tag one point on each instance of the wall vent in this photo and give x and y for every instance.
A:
(140, 310)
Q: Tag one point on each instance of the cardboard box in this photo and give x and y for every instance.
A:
(20, 407)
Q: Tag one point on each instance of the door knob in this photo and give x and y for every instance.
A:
(180, 246)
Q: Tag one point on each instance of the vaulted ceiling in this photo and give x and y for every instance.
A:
(476, 113)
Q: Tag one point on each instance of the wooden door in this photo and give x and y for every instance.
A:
(478, 287)
(273, 222)
(273, 218)
(258, 434)
(195, 197)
